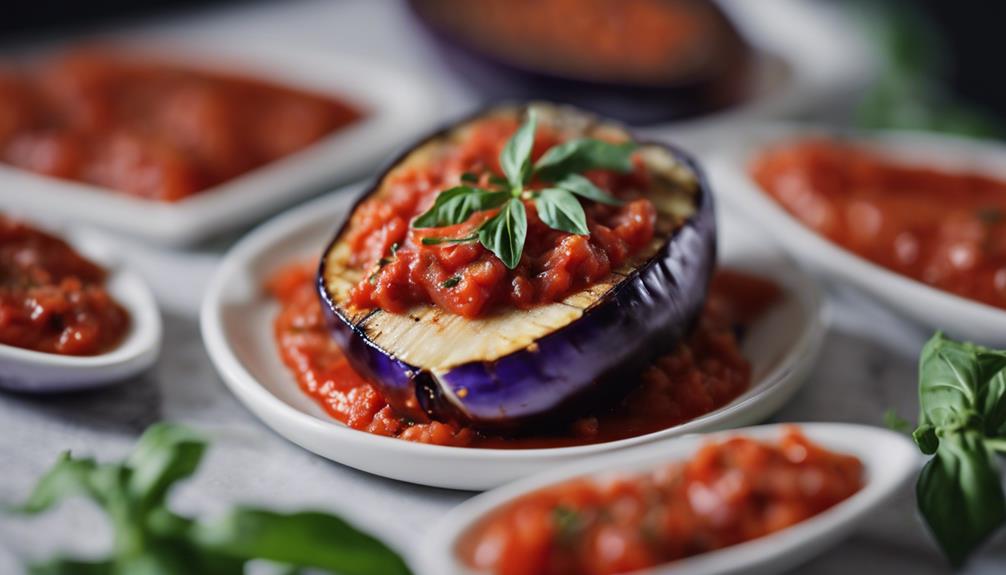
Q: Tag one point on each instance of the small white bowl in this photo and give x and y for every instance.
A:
(935, 308)
(25, 370)
(888, 458)
(237, 318)
(396, 105)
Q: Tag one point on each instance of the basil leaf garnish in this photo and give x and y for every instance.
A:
(505, 232)
(585, 188)
(583, 154)
(457, 204)
(960, 495)
(962, 398)
(560, 210)
(515, 159)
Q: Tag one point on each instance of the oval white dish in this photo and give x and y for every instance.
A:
(888, 458)
(237, 316)
(396, 105)
(937, 309)
(25, 370)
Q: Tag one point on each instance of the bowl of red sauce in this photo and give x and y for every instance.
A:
(914, 219)
(67, 321)
(765, 497)
(174, 140)
(641, 61)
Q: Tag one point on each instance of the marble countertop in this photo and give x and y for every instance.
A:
(867, 366)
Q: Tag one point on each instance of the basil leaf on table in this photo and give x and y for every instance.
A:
(962, 399)
(308, 539)
(151, 539)
(960, 495)
(585, 188)
(583, 154)
(457, 204)
(505, 233)
(560, 210)
(515, 159)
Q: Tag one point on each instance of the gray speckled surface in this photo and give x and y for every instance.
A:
(868, 365)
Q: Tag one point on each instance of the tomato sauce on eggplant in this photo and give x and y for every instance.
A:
(701, 375)
(467, 279)
(53, 299)
(946, 229)
(729, 492)
(151, 129)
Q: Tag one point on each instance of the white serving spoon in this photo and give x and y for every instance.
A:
(38, 372)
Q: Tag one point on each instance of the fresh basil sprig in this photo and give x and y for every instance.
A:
(962, 423)
(150, 538)
(504, 234)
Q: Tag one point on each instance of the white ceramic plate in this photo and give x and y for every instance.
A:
(37, 372)
(237, 329)
(396, 104)
(933, 307)
(888, 458)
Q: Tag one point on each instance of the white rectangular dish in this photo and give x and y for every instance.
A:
(395, 105)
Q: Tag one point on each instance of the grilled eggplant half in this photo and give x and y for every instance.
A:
(525, 368)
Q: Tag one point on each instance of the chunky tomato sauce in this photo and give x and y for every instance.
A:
(729, 492)
(467, 279)
(703, 374)
(946, 229)
(52, 299)
(152, 129)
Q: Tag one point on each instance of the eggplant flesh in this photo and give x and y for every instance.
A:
(517, 369)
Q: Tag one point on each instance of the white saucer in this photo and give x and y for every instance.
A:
(237, 318)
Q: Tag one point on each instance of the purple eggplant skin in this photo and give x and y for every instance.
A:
(586, 365)
(638, 104)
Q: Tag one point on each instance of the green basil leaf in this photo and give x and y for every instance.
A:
(583, 154)
(505, 233)
(960, 495)
(585, 188)
(68, 478)
(925, 437)
(515, 159)
(560, 210)
(457, 204)
(163, 455)
(66, 566)
(960, 382)
(308, 539)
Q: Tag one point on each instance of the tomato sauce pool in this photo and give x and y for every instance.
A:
(52, 299)
(946, 229)
(729, 492)
(152, 129)
(703, 374)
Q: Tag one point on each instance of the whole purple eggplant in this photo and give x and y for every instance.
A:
(523, 369)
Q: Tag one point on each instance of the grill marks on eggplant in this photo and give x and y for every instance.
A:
(426, 346)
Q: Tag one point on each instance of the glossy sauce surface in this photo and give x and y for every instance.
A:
(467, 279)
(52, 299)
(703, 374)
(729, 492)
(152, 129)
(945, 229)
